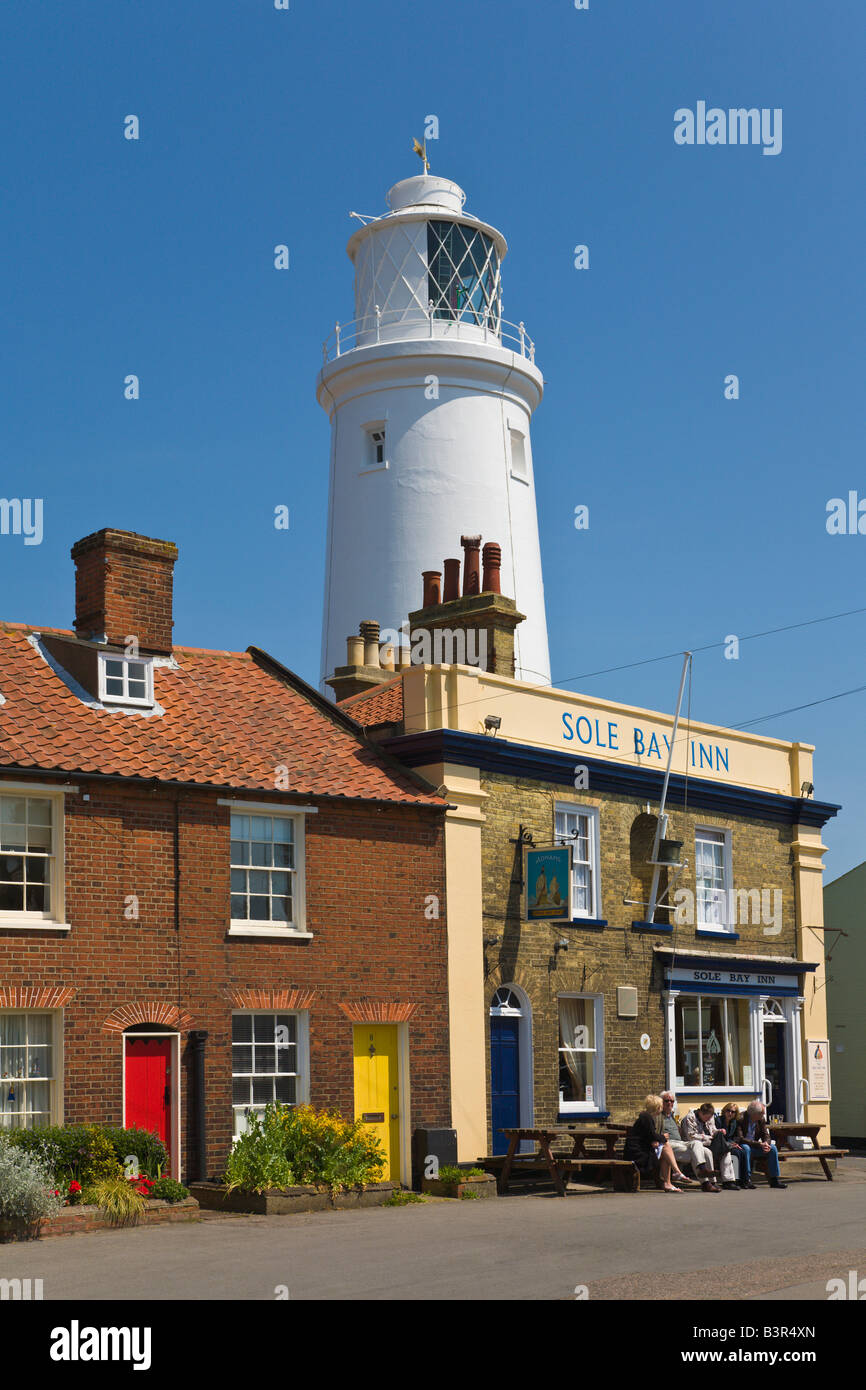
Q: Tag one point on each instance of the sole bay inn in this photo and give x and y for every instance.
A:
(569, 996)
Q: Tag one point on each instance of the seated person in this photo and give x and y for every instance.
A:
(699, 1126)
(727, 1140)
(754, 1133)
(647, 1146)
(683, 1153)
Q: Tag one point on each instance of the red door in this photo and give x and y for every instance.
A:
(148, 1086)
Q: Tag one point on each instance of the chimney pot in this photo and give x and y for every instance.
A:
(369, 630)
(471, 567)
(492, 558)
(451, 588)
(354, 651)
(432, 587)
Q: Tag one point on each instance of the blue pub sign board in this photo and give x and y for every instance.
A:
(548, 884)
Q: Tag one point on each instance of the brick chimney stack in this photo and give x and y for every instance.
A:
(482, 620)
(123, 588)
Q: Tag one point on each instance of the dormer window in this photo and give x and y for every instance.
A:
(125, 680)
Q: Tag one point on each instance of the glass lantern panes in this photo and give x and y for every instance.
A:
(463, 274)
(26, 854)
(262, 869)
(26, 1069)
(264, 1063)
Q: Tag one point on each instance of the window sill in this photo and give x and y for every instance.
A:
(653, 926)
(565, 1116)
(263, 929)
(20, 924)
(717, 933)
(519, 478)
(597, 923)
(374, 468)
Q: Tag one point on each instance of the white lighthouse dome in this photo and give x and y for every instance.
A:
(430, 394)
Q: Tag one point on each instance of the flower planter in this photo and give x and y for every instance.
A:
(283, 1201)
(484, 1186)
(80, 1218)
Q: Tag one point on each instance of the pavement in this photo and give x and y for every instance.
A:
(761, 1245)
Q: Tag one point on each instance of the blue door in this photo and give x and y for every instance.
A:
(504, 1078)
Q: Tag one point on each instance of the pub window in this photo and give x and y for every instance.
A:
(581, 1081)
(712, 879)
(578, 826)
(713, 1042)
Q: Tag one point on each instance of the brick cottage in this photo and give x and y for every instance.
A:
(215, 890)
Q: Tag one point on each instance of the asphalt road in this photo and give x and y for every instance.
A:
(771, 1245)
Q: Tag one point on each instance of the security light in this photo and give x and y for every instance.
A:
(492, 722)
(807, 789)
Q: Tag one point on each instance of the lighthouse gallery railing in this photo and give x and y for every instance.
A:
(396, 325)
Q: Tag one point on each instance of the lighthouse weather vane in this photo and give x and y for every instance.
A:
(421, 151)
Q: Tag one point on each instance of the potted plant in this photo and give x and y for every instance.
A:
(460, 1182)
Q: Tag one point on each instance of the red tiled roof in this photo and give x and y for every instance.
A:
(381, 705)
(230, 719)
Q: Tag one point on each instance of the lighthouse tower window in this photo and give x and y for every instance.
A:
(463, 274)
(375, 445)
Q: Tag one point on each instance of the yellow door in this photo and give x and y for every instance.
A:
(377, 1088)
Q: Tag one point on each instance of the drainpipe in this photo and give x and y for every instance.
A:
(198, 1160)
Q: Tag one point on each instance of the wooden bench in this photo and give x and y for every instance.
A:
(788, 1155)
(624, 1174)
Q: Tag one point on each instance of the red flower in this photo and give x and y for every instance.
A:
(74, 1186)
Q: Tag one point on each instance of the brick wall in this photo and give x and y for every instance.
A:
(597, 961)
(368, 869)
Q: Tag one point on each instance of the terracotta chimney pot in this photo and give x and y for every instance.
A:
(471, 567)
(492, 559)
(451, 588)
(432, 587)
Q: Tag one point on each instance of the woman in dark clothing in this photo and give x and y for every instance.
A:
(647, 1146)
(727, 1139)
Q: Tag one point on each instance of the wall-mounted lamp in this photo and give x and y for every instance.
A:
(560, 945)
(807, 789)
(492, 722)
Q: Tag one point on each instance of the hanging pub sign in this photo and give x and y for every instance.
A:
(818, 1059)
(547, 875)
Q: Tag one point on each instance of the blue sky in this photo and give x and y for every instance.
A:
(707, 516)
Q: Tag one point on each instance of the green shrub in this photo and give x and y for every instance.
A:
(450, 1174)
(118, 1199)
(80, 1152)
(169, 1191)
(258, 1160)
(288, 1145)
(27, 1190)
(148, 1148)
(86, 1153)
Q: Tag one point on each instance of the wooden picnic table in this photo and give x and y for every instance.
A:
(784, 1132)
(558, 1165)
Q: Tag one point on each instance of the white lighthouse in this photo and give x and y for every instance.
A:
(430, 393)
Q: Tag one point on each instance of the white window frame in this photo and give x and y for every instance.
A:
(577, 1107)
(302, 1058)
(145, 701)
(297, 929)
(755, 1063)
(371, 445)
(53, 920)
(592, 815)
(518, 458)
(55, 1110)
(715, 834)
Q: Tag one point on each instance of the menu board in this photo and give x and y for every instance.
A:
(818, 1062)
